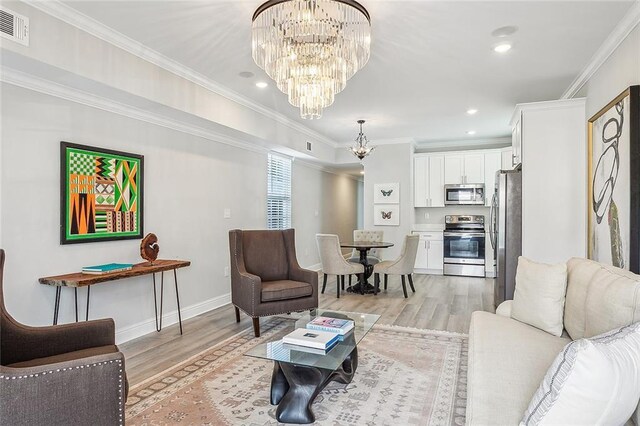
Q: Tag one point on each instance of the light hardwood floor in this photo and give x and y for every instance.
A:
(440, 303)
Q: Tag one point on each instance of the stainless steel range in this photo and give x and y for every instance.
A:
(464, 243)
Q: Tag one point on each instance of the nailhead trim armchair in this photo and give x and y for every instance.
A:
(69, 374)
(266, 278)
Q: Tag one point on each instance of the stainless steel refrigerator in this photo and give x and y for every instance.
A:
(505, 224)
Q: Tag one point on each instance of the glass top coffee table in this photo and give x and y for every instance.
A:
(298, 376)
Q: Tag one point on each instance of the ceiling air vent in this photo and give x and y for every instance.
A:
(14, 27)
(308, 146)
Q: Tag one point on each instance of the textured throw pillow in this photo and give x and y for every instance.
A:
(539, 296)
(592, 381)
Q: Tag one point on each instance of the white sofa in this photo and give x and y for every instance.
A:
(508, 359)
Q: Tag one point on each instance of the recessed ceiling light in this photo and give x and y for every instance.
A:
(246, 74)
(472, 111)
(362, 172)
(502, 47)
(261, 84)
(471, 132)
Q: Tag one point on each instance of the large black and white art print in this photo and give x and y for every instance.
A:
(614, 182)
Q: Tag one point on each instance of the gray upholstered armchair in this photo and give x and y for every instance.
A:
(70, 374)
(265, 276)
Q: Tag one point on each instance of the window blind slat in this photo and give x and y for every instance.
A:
(278, 192)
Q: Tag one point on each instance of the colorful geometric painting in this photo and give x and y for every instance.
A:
(101, 194)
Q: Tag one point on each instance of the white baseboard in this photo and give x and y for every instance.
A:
(149, 326)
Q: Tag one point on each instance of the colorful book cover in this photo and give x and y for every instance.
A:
(335, 325)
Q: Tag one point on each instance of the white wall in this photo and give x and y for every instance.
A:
(189, 181)
(390, 164)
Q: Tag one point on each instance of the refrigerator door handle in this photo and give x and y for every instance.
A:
(492, 221)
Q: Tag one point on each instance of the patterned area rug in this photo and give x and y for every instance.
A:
(405, 376)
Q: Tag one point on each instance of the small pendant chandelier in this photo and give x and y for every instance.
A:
(310, 48)
(361, 146)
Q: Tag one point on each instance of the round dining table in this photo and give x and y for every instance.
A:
(363, 247)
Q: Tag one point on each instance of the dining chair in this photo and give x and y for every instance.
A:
(334, 263)
(374, 255)
(402, 266)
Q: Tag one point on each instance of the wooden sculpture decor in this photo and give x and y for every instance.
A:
(149, 248)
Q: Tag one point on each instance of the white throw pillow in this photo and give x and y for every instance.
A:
(592, 381)
(539, 296)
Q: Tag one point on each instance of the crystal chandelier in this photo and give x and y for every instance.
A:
(310, 48)
(360, 148)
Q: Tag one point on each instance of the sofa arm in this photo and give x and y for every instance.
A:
(85, 391)
(504, 309)
(246, 290)
(22, 343)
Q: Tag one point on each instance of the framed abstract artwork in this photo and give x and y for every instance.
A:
(614, 182)
(386, 215)
(101, 194)
(386, 193)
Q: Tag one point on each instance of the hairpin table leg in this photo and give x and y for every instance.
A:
(86, 318)
(175, 279)
(56, 305)
(155, 300)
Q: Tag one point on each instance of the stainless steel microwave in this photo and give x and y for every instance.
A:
(464, 194)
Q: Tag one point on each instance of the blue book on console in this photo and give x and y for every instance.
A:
(107, 268)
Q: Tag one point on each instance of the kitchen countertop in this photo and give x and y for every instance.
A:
(428, 227)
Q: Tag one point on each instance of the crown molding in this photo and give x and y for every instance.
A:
(546, 105)
(71, 16)
(27, 81)
(617, 36)
(466, 144)
(391, 141)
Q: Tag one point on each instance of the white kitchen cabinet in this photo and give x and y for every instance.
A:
(428, 185)
(464, 168)
(492, 163)
(430, 255)
(507, 158)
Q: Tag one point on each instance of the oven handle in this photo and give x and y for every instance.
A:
(464, 234)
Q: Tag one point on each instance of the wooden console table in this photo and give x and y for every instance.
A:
(78, 279)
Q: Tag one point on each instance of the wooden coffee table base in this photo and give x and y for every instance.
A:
(295, 387)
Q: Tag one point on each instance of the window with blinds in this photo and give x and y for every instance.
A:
(278, 192)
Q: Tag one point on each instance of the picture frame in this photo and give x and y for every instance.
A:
(386, 215)
(386, 193)
(613, 223)
(101, 194)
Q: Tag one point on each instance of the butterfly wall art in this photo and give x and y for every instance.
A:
(386, 215)
(386, 193)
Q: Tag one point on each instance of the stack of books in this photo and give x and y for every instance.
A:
(320, 335)
(106, 268)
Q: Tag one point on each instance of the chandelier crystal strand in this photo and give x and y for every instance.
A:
(361, 146)
(310, 48)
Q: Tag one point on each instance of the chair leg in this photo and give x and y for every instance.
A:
(376, 283)
(237, 314)
(342, 282)
(413, 289)
(404, 287)
(256, 327)
(338, 286)
(324, 282)
(361, 278)
(349, 281)
(386, 278)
